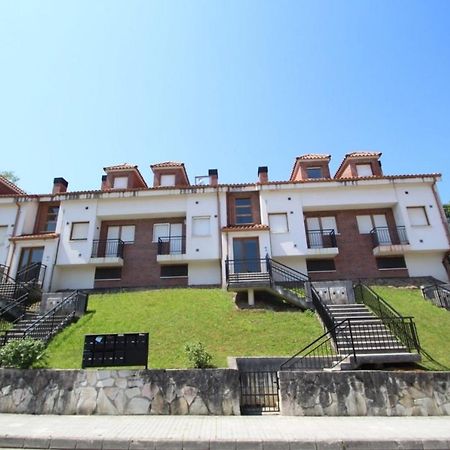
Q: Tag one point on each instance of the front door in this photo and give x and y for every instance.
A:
(29, 256)
(246, 255)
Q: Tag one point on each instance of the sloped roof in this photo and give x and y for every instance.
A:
(11, 186)
(363, 154)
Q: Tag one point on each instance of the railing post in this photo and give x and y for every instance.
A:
(351, 339)
(269, 268)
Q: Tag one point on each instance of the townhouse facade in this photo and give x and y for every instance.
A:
(359, 223)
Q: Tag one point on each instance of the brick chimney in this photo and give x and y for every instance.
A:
(263, 174)
(59, 185)
(213, 177)
(105, 184)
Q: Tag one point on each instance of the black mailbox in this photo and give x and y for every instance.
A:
(128, 349)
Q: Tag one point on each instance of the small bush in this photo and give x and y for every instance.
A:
(22, 354)
(197, 355)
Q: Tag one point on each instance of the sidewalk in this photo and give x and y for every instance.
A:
(223, 433)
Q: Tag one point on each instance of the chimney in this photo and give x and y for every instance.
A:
(59, 185)
(263, 174)
(105, 184)
(213, 177)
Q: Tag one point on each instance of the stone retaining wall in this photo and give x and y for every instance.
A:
(177, 392)
(365, 393)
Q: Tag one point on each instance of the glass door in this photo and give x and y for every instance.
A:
(246, 255)
(29, 256)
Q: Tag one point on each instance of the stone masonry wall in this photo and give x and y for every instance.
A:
(365, 393)
(175, 392)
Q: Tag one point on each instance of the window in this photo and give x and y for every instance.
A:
(364, 170)
(201, 226)
(123, 232)
(79, 231)
(368, 222)
(278, 223)
(243, 210)
(418, 216)
(167, 231)
(321, 223)
(320, 265)
(120, 183)
(172, 271)
(51, 219)
(314, 172)
(3, 233)
(108, 273)
(391, 262)
(167, 180)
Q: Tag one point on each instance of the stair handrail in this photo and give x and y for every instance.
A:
(16, 303)
(288, 269)
(403, 327)
(441, 292)
(37, 267)
(51, 313)
(330, 335)
(322, 309)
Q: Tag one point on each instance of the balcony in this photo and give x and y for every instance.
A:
(107, 252)
(321, 243)
(389, 240)
(171, 248)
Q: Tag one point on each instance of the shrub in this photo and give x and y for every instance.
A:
(22, 354)
(197, 355)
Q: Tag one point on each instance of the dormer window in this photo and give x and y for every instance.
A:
(120, 183)
(314, 172)
(167, 180)
(364, 170)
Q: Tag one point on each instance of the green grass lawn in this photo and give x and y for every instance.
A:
(174, 317)
(433, 323)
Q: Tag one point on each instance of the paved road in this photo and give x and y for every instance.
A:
(223, 433)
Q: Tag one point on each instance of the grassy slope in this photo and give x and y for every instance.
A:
(174, 317)
(433, 323)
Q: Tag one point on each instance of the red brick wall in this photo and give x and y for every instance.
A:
(140, 268)
(355, 259)
(231, 212)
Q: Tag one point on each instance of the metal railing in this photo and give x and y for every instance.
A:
(172, 245)
(45, 326)
(286, 277)
(389, 236)
(323, 310)
(403, 328)
(439, 295)
(107, 248)
(33, 274)
(321, 238)
(327, 351)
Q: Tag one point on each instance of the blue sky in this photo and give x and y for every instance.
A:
(225, 84)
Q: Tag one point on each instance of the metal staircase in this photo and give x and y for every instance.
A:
(369, 332)
(269, 275)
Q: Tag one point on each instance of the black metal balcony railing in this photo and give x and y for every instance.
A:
(389, 236)
(172, 245)
(321, 238)
(107, 248)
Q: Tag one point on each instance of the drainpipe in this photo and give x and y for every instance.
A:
(12, 248)
(441, 210)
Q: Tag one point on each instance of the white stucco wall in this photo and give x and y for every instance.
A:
(204, 273)
(426, 264)
(8, 212)
(75, 277)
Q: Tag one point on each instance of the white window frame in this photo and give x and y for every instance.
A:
(200, 222)
(120, 234)
(424, 219)
(364, 170)
(84, 232)
(163, 181)
(120, 183)
(160, 225)
(275, 228)
(314, 168)
(3, 235)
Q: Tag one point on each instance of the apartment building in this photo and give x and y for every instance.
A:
(359, 223)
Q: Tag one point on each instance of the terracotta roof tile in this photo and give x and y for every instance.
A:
(256, 227)
(167, 164)
(124, 166)
(11, 185)
(313, 156)
(363, 154)
(25, 237)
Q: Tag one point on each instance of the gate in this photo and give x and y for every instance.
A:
(259, 392)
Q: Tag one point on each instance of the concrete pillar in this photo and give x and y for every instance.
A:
(251, 297)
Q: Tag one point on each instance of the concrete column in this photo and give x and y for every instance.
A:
(251, 297)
